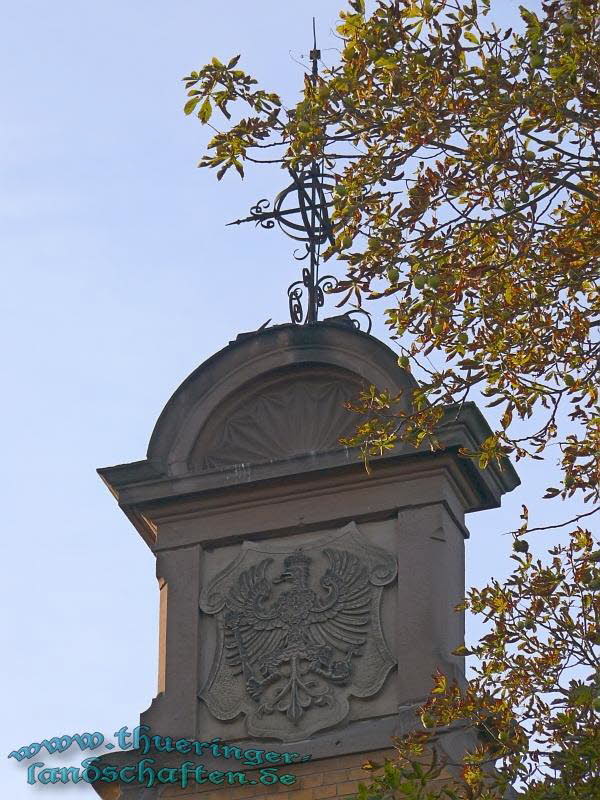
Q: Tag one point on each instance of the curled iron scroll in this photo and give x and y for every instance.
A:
(357, 321)
(301, 211)
(297, 289)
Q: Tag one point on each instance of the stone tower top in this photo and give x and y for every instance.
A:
(270, 405)
(302, 601)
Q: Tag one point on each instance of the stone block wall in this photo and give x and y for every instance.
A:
(316, 780)
(283, 565)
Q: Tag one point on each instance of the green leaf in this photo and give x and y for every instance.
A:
(191, 105)
(387, 62)
(416, 30)
(528, 124)
(461, 651)
(205, 112)
(529, 17)
(471, 37)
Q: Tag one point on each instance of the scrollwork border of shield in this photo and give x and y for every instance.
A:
(382, 571)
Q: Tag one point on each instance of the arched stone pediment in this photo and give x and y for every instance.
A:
(269, 407)
(272, 395)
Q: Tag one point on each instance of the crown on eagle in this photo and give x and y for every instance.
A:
(297, 558)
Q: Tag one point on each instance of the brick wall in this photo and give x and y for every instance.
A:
(315, 780)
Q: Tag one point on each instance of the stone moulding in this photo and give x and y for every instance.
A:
(280, 621)
(289, 660)
(298, 413)
(276, 353)
(199, 446)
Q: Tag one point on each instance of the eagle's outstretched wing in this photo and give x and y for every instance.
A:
(251, 630)
(342, 617)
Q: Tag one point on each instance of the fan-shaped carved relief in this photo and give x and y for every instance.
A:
(297, 414)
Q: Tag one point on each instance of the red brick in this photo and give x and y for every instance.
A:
(349, 787)
(358, 774)
(322, 792)
(336, 776)
(310, 781)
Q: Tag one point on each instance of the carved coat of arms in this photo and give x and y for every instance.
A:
(299, 632)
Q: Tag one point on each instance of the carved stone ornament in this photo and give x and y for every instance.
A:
(299, 633)
(301, 415)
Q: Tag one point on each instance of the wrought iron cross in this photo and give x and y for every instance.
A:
(302, 212)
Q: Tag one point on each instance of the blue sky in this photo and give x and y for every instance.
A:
(119, 278)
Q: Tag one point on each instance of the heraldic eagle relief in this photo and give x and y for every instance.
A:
(298, 633)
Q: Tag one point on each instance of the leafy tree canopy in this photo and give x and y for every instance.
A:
(467, 166)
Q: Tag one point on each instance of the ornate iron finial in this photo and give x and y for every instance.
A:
(301, 211)
(315, 55)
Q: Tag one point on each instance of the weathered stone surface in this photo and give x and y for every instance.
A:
(255, 365)
(296, 413)
(289, 660)
(194, 450)
(246, 482)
